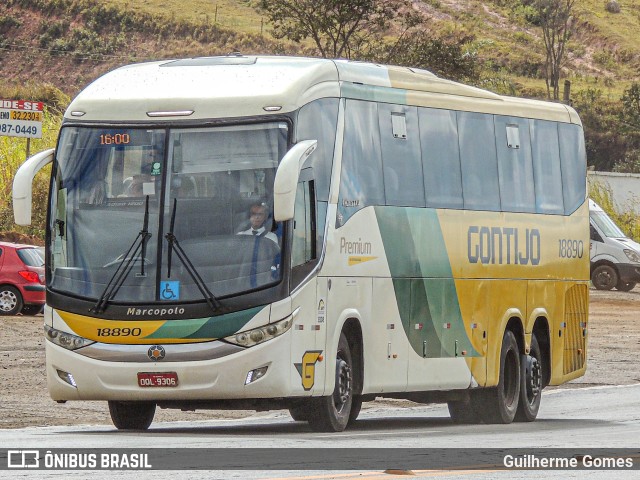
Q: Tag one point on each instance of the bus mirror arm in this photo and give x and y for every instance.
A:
(286, 181)
(22, 185)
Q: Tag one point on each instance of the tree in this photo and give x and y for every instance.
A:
(556, 21)
(338, 28)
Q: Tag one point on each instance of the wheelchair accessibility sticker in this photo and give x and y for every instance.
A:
(170, 290)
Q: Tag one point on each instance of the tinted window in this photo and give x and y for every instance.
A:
(361, 179)
(573, 160)
(30, 257)
(515, 169)
(318, 121)
(546, 167)
(479, 162)
(441, 158)
(402, 165)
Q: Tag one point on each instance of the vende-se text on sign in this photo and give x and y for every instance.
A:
(21, 118)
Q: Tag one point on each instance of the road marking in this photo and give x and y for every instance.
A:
(377, 434)
(379, 475)
(597, 387)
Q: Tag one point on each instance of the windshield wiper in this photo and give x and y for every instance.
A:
(210, 298)
(125, 265)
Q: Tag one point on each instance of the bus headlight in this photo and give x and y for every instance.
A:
(261, 334)
(632, 255)
(64, 339)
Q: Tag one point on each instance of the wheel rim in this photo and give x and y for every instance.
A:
(605, 279)
(342, 392)
(533, 379)
(8, 301)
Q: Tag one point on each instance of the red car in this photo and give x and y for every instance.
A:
(21, 279)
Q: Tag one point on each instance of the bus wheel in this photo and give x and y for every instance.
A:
(132, 415)
(299, 413)
(501, 403)
(356, 405)
(467, 410)
(604, 277)
(530, 384)
(625, 286)
(331, 414)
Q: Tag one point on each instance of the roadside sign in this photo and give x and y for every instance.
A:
(21, 118)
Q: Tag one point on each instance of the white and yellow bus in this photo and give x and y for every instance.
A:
(419, 239)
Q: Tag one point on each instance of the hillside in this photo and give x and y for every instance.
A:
(70, 42)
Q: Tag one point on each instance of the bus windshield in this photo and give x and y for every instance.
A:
(606, 225)
(203, 194)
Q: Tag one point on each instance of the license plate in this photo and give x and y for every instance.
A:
(161, 379)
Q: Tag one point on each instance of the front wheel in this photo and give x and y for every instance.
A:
(132, 415)
(332, 413)
(604, 277)
(500, 403)
(625, 286)
(530, 383)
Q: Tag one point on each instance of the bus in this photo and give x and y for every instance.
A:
(414, 238)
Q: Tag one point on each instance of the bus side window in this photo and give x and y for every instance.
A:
(303, 249)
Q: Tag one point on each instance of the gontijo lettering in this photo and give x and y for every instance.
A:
(503, 245)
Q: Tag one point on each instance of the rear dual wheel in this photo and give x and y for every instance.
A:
(500, 404)
(530, 384)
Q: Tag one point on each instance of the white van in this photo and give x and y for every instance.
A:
(615, 258)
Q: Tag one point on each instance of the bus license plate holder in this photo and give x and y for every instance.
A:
(157, 379)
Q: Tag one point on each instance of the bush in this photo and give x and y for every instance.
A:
(612, 6)
(624, 216)
(13, 152)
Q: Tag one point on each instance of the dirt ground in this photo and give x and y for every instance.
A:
(613, 345)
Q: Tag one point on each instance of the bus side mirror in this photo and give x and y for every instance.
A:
(22, 185)
(286, 181)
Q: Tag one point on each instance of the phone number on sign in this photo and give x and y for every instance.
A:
(20, 130)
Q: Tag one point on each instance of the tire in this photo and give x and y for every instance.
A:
(10, 300)
(299, 413)
(32, 309)
(467, 410)
(625, 286)
(604, 277)
(530, 383)
(356, 405)
(132, 415)
(332, 413)
(500, 404)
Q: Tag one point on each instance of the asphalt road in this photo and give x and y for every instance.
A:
(583, 420)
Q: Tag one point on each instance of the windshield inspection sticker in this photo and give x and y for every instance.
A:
(170, 290)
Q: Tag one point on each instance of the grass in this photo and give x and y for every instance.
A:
(13, 154)
(238, 15)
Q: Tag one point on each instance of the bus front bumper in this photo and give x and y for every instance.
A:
(72, 376)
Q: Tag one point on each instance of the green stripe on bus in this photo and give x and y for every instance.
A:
(213, 327)
(422, 280)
